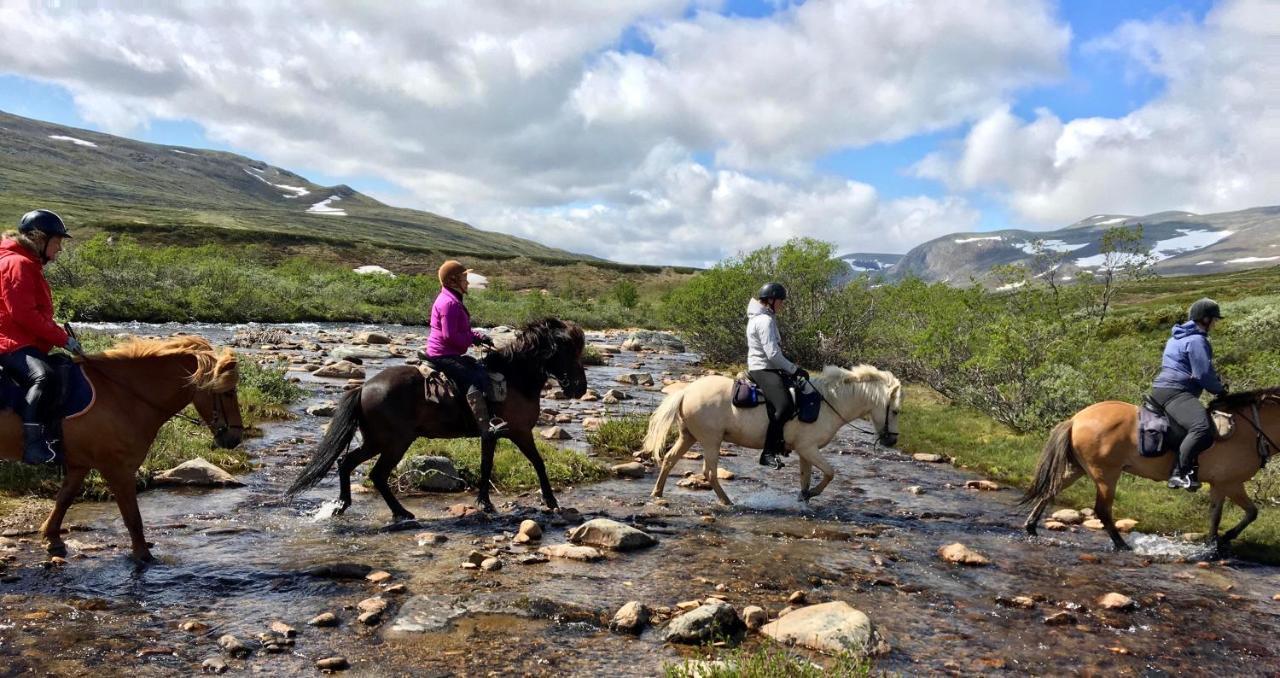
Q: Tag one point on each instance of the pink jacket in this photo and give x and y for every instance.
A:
(451, 332)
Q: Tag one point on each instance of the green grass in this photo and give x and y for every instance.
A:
(511, 471)
(620, 436)
(930, 423)
(591, 356)
(769, 661)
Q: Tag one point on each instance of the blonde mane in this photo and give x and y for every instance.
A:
(215, 371)
(860, 378)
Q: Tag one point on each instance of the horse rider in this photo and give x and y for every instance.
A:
(769, 368)
(451, 336)
(1187, 371)
(27, 329)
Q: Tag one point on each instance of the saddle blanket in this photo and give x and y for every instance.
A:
(77, 391)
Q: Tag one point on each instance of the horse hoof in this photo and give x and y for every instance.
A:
(486, 506)
(403, 517)
(59, 550)
(144, 558)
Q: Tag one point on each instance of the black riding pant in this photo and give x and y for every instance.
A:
(1186, 410)
(29, 368)
(776, 388)
(465, 371)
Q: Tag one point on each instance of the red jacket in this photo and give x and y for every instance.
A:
(26, 305)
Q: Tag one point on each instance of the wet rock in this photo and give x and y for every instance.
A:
(694, 481)
(324, 620)
(340, 370)
(533, 559)
(571, 552)
(610, 534)
(370, 618)
(1020, 602)
(322, 409)
(554, 433)
(233, 646)
(333, 664)
(462, 511)
(1056, 526)
(983, 485)
(491, 564)
(429, 538)
(1126, 525)
(754, 617)
(712, 621)
(214, 665)
(529, 531)
(274, 643)
(1064, 618)
(590, 396)
(378, 577)
(556, 393)
(375, 604)
(832, 628)
(653, 341)
(633, 469)
(1068, 516)
(197, 473)
(1093, 524)
(636, 379)
(193, 627)
(592, 424)
(370, 338)
(962, 555)
(564, 418)
(796, 598)
(929, 457)
(156, 651)
(360, 353)
(915, 489)
(284, 629)
(631, 618)
(431, 474)
(1117, 601)
(725, 474)
(1086, 512)
(396, 589)
(477, 557)
(341, 571)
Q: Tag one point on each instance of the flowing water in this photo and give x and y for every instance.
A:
(237, 559)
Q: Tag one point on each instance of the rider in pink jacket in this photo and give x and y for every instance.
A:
(451, 336)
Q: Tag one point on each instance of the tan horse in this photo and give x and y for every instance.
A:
(1102, 441)
(138, 386)
(705, 414)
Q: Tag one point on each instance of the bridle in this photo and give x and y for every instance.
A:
(220, 424)
(888, 406)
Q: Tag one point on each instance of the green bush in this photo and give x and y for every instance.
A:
(621, 436)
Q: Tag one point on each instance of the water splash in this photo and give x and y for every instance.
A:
(1164, 547)
(326, 510)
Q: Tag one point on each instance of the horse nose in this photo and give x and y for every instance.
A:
(890, 439)
(228, 440)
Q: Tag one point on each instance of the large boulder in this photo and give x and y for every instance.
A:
(197, 473)
(653, 341)
(361, 352)
(631, 618)
(610, 534)
(568, 551)
(832, 628)
(341, 370)
(370, 338)
(708, 622)
(431, 474)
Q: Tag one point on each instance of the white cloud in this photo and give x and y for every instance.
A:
(1208, 143)
(525, 117)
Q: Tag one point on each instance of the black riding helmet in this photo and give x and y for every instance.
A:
(772, 290)
(1203, 310)
(44, 221)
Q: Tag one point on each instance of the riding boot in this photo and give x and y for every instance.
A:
(1185, 474)
(773, 445)
(489, 427)
(36, 446)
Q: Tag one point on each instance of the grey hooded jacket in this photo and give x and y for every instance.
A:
(764, 344)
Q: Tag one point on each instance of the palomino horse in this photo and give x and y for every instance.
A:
(391, 410)
(138, 386)
(1102, 441)
(705, 413)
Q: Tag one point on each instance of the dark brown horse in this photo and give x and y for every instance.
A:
(391, 411)
(138, 386)
(1102, 441)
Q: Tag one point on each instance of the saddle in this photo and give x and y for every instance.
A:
(74, 392)
(440, 388)
(807, 400)
(1159, 434)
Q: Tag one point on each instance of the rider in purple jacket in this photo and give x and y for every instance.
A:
(451, 336)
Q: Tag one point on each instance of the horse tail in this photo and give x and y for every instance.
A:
(342, 428)
(1051, 470)
(660, 423)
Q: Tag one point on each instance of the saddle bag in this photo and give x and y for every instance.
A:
(1153, 426)
(746, 394)
(808, 403)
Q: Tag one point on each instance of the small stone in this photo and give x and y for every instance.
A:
(430, 538)
(232, 646)
(554, 433)
(1020, 602)
(322, 409)
(284, 629)
(532, 559)
(1093, 524)
(1086, 512)
(963, 555)
(530, 530)
(631, 618)
(214, 665)
(324, 619)
(1117, 601)
(724, 474)
(983, 485)
(1064, 618)
(477, 557)
(157, 651)
(754, 617)
(333, 664)
(491, 564)
(378, 577)
(375, 604)
(193, 627)
(707, 622)
(796, 598)
(1126, 525)
(396, 589)
(610, 534)
(686, 605)
(929, 458)
(592, 424)
(1056, 526)
(583, 553)
(633, 469)
(1068, 516)
(915, 489)
(371, 618)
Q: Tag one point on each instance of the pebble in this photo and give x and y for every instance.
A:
(754, 617)
(214, 665)
(797, 598)
(929, 458)
(284, 629)
(1117, 601)
(983, 485)
(1063, 618)
(491, 564)
(333, 664)
(232, 646)
(378, 577)
(960, 554)
(324, 619)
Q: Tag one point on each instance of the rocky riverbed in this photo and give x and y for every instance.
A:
(918, 563)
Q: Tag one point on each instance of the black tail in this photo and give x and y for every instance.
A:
(342, 428)
(1051, 471)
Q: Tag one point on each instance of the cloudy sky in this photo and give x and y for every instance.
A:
(677, 131)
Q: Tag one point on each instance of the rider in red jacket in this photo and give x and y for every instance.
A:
(27, 329)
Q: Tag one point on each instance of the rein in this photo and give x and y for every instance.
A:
(847, 421)
(1264, 441)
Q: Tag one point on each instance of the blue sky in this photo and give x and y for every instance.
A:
(582, 162)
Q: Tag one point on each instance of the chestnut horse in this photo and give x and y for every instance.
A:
(391, 411)
(138, 386)
(1102, 441)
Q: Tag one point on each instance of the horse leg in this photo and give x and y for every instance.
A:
(346, 465)
(488, 447)
(806, 473)
(52, 528)
(710, 467)
(1102, 508)
(123, 487)
(1217, 497)
(828, 473)
(525, 443)
(1240, 497)
(682, 445)
(1073, 474)
(381, 473)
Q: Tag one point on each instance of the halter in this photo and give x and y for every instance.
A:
(1265, 444)
(888, 405)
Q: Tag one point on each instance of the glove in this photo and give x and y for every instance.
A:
(73, 345)
(800, 373)
(485, 341)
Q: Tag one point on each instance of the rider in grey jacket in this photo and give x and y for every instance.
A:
(769, 368)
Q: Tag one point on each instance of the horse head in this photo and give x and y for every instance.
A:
(554, 348)
(215, 380)
(865, 391)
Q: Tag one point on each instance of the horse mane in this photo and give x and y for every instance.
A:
(522, 359)
(217, 371)
(858, 377)
(1234, 400)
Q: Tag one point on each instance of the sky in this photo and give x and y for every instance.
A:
(687, 131)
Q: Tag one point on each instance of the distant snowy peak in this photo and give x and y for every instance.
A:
(861, 262)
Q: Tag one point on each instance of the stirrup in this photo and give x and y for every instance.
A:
(497, 426)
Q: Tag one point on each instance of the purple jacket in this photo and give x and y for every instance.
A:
(451, 332)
